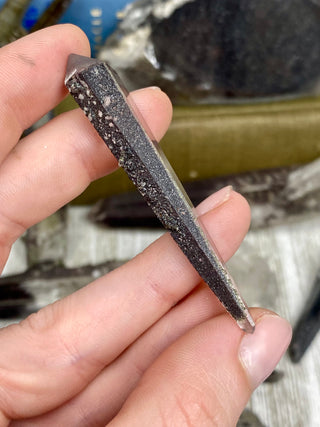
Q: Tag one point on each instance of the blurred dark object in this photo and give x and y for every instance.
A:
(274, 195)
(12, 12)
(44, 283)
(275, 377)
(52, 14)
(249, 419)
(206, 50)
(308, 324)
(13, 299)
(11, 15)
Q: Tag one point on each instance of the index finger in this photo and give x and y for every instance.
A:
(31, 78)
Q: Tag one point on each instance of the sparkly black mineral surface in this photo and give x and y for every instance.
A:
(102, 96)
(228, 48)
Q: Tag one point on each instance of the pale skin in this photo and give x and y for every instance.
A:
(148, 344)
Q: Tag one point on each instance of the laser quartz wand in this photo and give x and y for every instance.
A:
(102, 96)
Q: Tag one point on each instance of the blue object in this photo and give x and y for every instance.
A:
(33, 12)
(97, 18)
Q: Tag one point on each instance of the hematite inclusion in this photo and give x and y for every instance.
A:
(101, 95)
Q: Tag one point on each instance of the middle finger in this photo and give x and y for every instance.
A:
(89, 329)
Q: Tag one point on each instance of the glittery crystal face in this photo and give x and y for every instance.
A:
(104, 100)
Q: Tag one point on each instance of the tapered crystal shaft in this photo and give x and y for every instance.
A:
(102, 96)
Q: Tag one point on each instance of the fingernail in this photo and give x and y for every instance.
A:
(260, 352)
(215, 200)
(146, 88)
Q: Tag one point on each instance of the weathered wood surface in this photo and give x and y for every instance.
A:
(275, 267)
(293, 254)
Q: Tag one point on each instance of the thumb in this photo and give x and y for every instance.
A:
(207, 376)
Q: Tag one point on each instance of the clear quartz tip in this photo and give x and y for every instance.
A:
(77, 63)
(247, 324)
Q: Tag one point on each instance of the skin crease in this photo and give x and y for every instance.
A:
(148, 344)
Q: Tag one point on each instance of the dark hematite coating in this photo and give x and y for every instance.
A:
(101, 95)
(308, 324)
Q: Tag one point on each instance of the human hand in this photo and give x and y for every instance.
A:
(148, 344)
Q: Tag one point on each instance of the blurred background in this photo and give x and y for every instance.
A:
(244, 80)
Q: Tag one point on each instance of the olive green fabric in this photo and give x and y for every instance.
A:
(207, 141)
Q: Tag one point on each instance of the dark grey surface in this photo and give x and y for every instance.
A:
(308, 324)
(100, 94)
(206, 49)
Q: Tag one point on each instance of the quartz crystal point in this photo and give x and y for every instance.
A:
(103, 98)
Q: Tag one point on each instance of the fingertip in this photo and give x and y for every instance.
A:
(38, 63)
(59, 39)
(77, 37)
(243, 213)
(242, 206)
(226, 216)
(155, 107)
(226, 195)
(260, 352)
